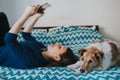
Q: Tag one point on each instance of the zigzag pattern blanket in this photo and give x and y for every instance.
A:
(74, 37)
(57, 73)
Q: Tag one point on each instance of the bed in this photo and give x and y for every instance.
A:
(76, 37)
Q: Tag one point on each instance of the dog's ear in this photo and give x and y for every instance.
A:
(81, 51)
(99, 56)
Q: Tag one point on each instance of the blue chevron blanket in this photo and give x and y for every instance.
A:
(57, 73)
(74, 37)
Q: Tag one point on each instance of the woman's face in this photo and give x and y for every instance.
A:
(55, 50)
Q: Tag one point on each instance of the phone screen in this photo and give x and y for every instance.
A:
(46, 5)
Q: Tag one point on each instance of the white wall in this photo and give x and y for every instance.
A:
(105, 13)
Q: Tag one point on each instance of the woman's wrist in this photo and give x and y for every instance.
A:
(37, 15)
(25, 15)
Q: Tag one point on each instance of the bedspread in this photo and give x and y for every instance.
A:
(57, 73)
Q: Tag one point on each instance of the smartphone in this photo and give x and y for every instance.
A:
(43, 7)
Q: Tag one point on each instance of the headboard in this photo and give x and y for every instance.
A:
(49, 27)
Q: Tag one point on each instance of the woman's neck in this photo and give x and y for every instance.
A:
(45, 56)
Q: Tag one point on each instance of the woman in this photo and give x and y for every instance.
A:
(30, 53)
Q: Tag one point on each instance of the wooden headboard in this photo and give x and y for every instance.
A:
(49, 27)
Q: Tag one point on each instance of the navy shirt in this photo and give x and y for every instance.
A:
(26, 54)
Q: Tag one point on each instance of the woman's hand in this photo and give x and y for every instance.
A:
(31, 10)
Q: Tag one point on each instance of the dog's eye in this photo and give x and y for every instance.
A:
(89, 61)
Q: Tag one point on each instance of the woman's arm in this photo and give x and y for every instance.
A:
(28, 28)
(18, 25)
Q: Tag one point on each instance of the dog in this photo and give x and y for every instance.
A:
(99, 55)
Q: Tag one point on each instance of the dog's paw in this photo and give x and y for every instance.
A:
(70, 67)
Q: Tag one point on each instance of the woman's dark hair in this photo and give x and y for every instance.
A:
(67, 58)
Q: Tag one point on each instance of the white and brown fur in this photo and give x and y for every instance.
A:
(99, 55)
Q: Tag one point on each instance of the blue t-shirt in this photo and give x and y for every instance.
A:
(26, 54)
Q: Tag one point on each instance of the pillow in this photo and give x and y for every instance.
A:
(73, 36)
(61, 29)
(35, 32)
(56, 30)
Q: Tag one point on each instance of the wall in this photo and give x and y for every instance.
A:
(105, 13)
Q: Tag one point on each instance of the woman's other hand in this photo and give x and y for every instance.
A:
(31, 10)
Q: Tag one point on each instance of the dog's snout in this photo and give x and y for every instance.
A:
(82, 70)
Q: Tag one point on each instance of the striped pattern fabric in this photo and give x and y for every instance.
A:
(57, 73)
(73, 36)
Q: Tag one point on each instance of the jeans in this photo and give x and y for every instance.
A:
(4, 27)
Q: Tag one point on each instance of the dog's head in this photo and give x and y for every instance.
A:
(89, 58)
